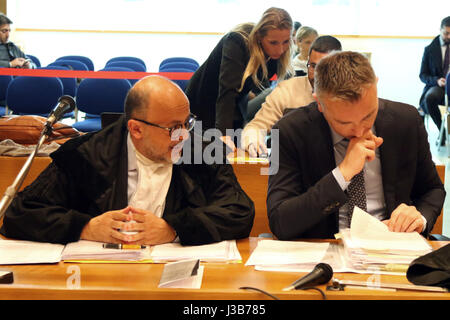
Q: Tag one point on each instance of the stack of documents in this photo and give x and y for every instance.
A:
(91, 250)
(29, 252)
(225, 251)
(369, 245)
(275, 255)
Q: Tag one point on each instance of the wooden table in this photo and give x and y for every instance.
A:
(220, 281)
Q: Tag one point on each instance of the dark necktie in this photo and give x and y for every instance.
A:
(356, 192)
(446, 60)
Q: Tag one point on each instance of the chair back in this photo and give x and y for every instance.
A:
(136, 66)
(69, 84)
(71, 64)
(95, 96)
(4, 83)
(127, 58)
(33, 95)
(132, 81)
(174, 65)
(181, 83)
(178, 59)
(87, 61)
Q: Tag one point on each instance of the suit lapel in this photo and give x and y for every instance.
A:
(388, 156)
(323, 151)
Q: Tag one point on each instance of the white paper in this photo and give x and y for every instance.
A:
(271, 252)
(370, 233)
(186, 274)
(92, 250)
(29, 252)
(220, 252)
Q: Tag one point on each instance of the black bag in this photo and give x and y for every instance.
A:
(432, 269)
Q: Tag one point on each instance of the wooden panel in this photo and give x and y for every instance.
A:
(255, 185)
(437, 228)
(11, 166)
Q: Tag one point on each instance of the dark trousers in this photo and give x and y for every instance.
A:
(433, 98)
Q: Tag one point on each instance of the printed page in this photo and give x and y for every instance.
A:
(29, 252)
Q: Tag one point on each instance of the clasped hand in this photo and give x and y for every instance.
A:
(149, 229)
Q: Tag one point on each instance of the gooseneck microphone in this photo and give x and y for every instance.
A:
(322, 273)
(65, 104)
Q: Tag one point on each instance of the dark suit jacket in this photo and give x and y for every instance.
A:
(431, 67)
(304, 198)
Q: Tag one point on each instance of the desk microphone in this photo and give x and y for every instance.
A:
(322, 273)
(65, 104)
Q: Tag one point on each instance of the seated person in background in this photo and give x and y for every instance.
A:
(433, 70)
(304, 37)
(293, 93)
(10, 55)
(351, 148)
(124, 178)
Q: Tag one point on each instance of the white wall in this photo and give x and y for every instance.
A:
(396, 61)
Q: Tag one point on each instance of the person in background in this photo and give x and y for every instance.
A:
(297, 25)
(350, 148)
(10, 55)
(238, 68)
(304, 37)
(433, 70)
(127, 177)
(292, 93)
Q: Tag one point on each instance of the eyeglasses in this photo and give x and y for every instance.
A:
(311, 65)
(174, 131)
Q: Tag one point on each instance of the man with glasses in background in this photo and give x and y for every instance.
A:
(10, 55)
(121, 184)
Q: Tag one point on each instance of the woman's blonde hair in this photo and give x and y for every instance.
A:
(305, 32)
(273, 18)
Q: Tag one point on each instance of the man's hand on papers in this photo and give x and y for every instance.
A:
(359, 151)
(405, 219)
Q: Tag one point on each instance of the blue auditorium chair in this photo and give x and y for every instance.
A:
(4, 83)
(136, 66)
(95, 96)
(33, 95)
(127, 58)
(178, 59)
(184, 65)
(86, 60)
(72, 64)
(132, 81)
(181, 83)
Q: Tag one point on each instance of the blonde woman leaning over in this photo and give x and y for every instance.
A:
(239, 67)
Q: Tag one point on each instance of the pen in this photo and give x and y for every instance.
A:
(123, 246)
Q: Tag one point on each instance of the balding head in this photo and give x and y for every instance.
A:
(153, 94)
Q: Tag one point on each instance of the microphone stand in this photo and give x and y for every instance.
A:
(12, 190)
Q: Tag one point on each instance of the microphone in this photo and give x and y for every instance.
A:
(322, 273)
(65, 104)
